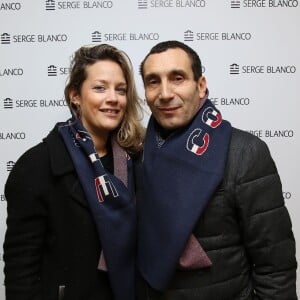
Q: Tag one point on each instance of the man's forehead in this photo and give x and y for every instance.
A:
(167, 61)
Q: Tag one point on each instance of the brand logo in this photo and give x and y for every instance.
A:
(104, 187)
(272, 133)
(11, 72)
(213, 119)
(9, 165)
(264, 3)
(287, 195)
(51, 5)
(12, 135)
(54, 71)
(144, 4)
(10, 6)
(7, 38)
(231, 101)
(97, 36)
(194, 147)
(236, 69)
(190, 36)
(235, 4)
(9, 103)
(282, 133)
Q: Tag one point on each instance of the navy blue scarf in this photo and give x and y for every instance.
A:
(111, 204)
(180, 175)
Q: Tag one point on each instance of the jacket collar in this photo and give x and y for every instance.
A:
(61, 164)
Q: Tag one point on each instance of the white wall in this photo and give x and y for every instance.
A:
(258, 40)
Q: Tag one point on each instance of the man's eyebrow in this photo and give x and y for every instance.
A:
(178, 71)
(171, 72)
(151, 75)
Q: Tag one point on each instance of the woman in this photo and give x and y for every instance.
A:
(70, 199)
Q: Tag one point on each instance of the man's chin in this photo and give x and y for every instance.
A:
(169, 124)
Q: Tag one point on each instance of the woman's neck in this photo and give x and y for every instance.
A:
(100, 143)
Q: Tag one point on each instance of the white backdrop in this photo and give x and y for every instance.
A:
(249, 50)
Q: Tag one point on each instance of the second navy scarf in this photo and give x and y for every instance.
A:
(180, 175)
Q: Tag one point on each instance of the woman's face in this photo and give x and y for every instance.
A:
(103, 98)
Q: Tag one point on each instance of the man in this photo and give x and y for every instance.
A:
(212, 220)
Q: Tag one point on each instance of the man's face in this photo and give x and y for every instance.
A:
(171, 91)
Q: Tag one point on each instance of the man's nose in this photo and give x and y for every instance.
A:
(166, 91)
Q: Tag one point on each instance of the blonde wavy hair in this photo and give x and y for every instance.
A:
(130, 133)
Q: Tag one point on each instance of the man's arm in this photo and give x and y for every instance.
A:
(266, 224)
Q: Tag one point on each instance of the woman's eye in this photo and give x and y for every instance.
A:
(122, 91)
(99, 88)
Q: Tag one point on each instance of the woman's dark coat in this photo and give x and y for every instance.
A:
(51, 247)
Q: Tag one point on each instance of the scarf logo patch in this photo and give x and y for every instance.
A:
(81, 135)
(105, 187)
(213, 119)
(195, 148)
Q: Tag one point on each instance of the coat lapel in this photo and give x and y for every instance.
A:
(62, 165)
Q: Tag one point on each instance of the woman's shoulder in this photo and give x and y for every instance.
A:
(33, 162)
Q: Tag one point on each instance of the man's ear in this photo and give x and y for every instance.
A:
(202, 87)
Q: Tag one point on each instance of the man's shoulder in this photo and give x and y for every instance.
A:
(240, 134)
(241, 137)
(245, 145)
(250, 155)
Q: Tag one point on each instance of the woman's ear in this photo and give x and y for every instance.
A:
(74, 98)
(75, 103)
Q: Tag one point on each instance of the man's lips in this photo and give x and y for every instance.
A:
(168, 109)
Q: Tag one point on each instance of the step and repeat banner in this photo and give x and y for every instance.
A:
(249, 50)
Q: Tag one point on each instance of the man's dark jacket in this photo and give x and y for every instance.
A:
(246, 232)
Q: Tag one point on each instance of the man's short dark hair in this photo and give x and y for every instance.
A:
(164, 46)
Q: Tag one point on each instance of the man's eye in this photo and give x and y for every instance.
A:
(152, 81)
(178, 78)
